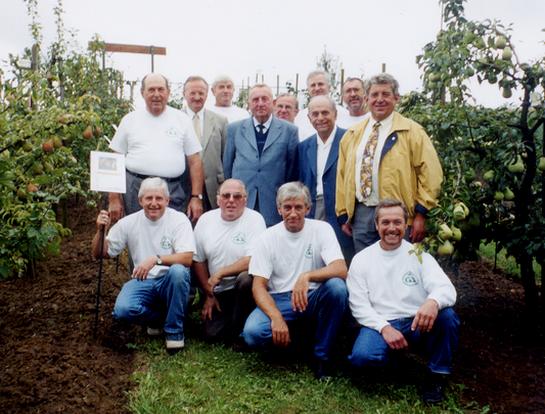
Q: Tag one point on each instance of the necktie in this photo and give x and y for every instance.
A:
(366, 173)
(197, 126)
(261, 128)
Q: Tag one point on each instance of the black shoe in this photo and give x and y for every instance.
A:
(322, 369)
(433, 389)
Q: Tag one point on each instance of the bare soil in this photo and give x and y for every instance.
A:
(51, 363)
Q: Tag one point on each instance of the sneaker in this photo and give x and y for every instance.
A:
(154, 331)
(174, 346)
(322, 369)
(433, 390)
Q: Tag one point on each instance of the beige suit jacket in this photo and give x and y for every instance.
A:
(213, 142)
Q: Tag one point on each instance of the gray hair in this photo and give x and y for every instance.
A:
(288, 95)
(388, 203)
(153, 183)
(327, 98)
(294, 189)
(222, 78)
(319, 72)
(236, 180)
(143, 84)
(382, 79)
(354, 79)
(260, 85)
(195, 78)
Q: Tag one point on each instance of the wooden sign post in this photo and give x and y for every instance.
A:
(148, 50)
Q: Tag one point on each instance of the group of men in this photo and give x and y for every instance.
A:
(282, 201)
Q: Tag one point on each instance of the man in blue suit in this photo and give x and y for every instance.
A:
(318, 166)
(261, 151)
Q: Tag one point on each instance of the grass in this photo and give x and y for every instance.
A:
(506, 263)
(206, 378)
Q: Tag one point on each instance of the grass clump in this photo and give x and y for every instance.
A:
(208, 378)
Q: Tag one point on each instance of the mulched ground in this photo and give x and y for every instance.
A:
(50, 363)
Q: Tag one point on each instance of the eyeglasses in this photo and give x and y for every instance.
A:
(236, 196)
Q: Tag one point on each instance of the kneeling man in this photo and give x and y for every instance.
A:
(160, 241)
(299, 272)
(402, 298)
(224, 237)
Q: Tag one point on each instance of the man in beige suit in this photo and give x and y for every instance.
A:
(211, 129)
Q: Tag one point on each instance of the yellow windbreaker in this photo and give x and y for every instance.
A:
(409, 169)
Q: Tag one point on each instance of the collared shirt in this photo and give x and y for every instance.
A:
(191, 115)
(383, 132)
(322, 154)
(266, 124)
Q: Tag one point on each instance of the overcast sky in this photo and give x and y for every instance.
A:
(244, 37)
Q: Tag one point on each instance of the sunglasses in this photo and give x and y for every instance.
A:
(236, 196)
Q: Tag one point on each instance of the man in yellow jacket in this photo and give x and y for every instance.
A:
(385, 156)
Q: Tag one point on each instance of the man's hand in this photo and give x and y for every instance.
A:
(115, 207)
(347, 229)
(299, 295)
(393, 337)
(208, 308)
(280, 332)
(418, 230)
(214, 280)
(194, 209)
(141, 271)
(425, 316)
(103, 219)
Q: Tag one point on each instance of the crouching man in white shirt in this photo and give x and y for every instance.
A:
(402, 299)
(160, 241)
(224, 238)
(299, 272)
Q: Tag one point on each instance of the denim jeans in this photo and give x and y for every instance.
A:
(154, 301)
(326, 307)
(438, 345)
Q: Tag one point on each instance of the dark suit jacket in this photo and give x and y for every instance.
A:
(308, 160)
(263, 174)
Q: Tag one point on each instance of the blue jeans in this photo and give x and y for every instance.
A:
(154, 301)
(439, 344)
(326, 307)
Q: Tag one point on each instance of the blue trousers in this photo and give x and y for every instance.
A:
(326, 307)
(438, 345)
(154, 301)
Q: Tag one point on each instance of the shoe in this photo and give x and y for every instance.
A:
(154, 331)
(174, 346)
(433, 390)
(322, 369)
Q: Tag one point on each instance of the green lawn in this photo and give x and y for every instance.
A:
(207, 378)
(504, 262)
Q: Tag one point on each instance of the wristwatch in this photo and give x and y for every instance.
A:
(158, 262)
(199, 196)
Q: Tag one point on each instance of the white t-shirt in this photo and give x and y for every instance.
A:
(221, 242)
(390, 284)
(350, 121)
(172, 233)
(281, 256)
(306, 129)
(156, 145)
(232, 113)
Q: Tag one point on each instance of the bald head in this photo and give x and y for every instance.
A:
(322, 113)
(155, 91)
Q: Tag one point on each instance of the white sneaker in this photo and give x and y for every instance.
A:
(154, 331)
(174, 346)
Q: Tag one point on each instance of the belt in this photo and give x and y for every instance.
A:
(143, 177)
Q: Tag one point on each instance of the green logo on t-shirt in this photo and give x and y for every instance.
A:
(166, 243)
(308, 252)
(239, 238)
(409, 279)
(172, 132)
